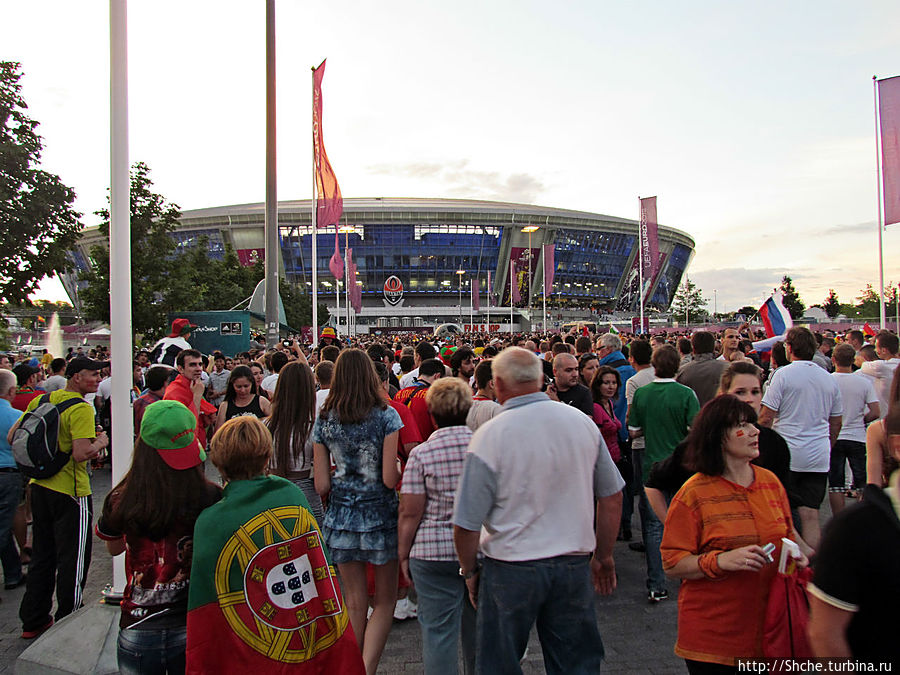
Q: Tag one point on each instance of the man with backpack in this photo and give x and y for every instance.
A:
(61, 504)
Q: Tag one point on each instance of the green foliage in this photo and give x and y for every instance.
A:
(297, 306)
(689, 302)
(747, 311)
(168, 280)
(832, 305)
(158, 283)
(791, 298)
(37, 222)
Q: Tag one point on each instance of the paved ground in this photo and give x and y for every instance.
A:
(638, 637)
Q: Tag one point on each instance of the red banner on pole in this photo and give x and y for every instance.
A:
(650, 249)
(329, 203)
(336, 264)
(515, 295)
(549, 269)
(889, 115)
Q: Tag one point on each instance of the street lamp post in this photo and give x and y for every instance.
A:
(715, 303)
(460, 273)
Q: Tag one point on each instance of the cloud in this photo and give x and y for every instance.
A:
(730, 288)
(459, 180)
(858, 228)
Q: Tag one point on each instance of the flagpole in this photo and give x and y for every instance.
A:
(314, 228)
(471, 305)
(641, 266)
(347, 273)
(544, 284)
(489, 291)
(880, 218)
(512, 269)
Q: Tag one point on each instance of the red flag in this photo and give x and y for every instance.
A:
(476, 294)
(336, 264)
(868, 331)
(889, 114)
(549, 268)
(329, 203)
(515, 296)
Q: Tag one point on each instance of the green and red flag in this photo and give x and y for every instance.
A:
(263, 595)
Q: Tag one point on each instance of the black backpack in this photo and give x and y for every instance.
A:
(35, 443)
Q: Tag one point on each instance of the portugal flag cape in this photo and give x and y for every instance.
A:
(263, 595)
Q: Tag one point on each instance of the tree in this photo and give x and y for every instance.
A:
(748, 311)
(832, 305)
(791, 298)
(297, 306)
(869, 302)
(37, 222)
(689, 301)
(160, 283)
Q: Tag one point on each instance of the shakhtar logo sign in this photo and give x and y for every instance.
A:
(393, 290)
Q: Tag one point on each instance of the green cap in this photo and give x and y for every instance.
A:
(171, 428)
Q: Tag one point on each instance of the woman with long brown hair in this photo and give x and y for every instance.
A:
(242, 397)
(359, 430)
(150, 515)
(291, 422)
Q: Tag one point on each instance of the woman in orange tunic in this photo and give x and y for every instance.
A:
(715, 529)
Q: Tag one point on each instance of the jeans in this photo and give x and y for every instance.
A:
(445, 616)
(10, 496)
(651, 531)
(152, 652)
(554, 592)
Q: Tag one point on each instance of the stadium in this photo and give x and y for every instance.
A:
(418, 258)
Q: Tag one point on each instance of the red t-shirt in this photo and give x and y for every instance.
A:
(24, 397)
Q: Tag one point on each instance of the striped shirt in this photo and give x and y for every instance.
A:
(433, 469)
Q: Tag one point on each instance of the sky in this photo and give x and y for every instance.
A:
(752, 122)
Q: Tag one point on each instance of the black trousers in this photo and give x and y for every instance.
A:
(60, 556)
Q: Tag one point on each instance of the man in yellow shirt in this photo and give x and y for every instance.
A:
(62, 509)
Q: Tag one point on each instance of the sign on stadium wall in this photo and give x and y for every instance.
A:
(248, 257)
(481, 328)
(393, 291)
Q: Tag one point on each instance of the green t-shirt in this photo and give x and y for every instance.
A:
(664, 411)
(76, 422)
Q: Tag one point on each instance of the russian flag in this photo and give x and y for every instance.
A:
(775, 316)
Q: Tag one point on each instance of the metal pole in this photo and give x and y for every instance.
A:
(120, 258)
(641, 266)
(460, 299)
(347, 280)
(337, 293)
(471, 305)
(271, 221)
(530, 272)
(544, 285)
(510, 294)
(313, 228)
(881, 316)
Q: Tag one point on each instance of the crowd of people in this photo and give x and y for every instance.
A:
(477, 483)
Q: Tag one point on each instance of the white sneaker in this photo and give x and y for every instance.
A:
(412, 610)
(401, 609)
(369, 613)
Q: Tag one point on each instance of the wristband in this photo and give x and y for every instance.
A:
(709, 565)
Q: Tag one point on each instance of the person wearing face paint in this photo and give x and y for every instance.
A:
(605, 389)
(715, 531)
(242, 397)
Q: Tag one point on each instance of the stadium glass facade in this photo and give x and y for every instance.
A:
(426, 242)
